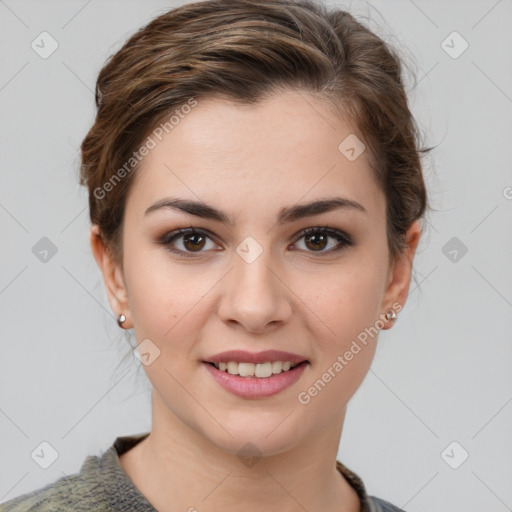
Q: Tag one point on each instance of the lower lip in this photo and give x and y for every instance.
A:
(247, 387)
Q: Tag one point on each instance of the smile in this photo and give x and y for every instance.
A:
(252, 387)
(259, 370)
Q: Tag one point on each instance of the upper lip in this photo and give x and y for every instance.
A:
(242, 356)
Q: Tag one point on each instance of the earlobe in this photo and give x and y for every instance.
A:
(398, 286)
(112, 276)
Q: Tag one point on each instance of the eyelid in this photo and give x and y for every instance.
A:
(344, 239)
(332, 232)
(168, 238)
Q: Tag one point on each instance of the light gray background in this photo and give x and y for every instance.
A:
(442, 374)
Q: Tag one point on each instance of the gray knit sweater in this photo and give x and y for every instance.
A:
(103, 486)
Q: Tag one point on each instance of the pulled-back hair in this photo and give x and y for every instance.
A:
(245, 51)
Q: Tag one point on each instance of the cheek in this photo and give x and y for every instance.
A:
(345, 342)
(160, 294)
(343, 302)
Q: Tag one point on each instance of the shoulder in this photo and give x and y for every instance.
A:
(78, 492)
(378, 505)
(99, 486)
(368, 503)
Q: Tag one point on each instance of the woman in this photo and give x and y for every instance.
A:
(255, 193)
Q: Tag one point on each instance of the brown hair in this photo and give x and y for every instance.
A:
(246, 50)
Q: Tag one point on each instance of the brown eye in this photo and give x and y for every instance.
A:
(316, 241)
(318, 238)
(191, 242)
(194, 241)
(187, 242)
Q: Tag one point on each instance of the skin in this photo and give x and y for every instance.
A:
(296, 296)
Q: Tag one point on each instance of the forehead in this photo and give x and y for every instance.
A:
(274, 152)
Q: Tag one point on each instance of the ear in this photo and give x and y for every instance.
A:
(112, 276)
(399, 276)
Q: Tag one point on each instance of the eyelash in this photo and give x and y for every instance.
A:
(343, 238)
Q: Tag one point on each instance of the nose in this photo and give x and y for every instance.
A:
(255, 294)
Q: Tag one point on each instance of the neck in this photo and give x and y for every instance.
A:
(177, 468)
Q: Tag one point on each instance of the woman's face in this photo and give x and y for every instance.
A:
(255, 283)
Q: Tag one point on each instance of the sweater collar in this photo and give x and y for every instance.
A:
(126, 497)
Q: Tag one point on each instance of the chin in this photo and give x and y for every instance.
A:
(257, 434)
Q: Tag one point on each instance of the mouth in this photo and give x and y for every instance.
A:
(255, 370)
(250, 375)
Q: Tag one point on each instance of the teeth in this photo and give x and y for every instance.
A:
(277, 367)
(262, 370)
(259, 370)
(246, 369)
(233, 368)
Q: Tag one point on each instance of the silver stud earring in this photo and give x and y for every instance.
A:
(391, 315)
(120, 319)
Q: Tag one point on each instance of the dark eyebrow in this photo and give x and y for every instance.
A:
(290, 214)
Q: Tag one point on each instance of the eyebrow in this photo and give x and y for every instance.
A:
(286, 215)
